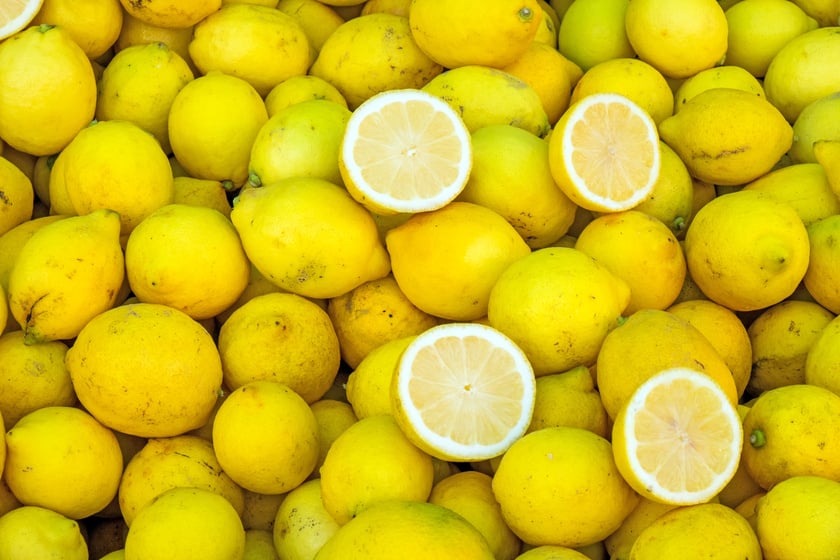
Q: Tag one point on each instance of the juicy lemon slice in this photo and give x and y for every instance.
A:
(16, 15)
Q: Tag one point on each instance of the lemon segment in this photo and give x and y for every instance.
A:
(16, 14)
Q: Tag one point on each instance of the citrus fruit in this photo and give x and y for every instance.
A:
(727, 76)
(146, 369)
(619, 543)
(368, 387)
(561, 486)
(18, 196)
(94, 25)
(804, 186)
(672, 198)
(333, 417)
(318, 19)
(301, 88)
(171, 13)
(463, 392)
(13, 241)
(138, 32)
(37, 532)
(266, 437)
(201, 192)
(815, 123)
(549, 74)
(17, 15)
(405, 151)
(822, 360)
(821, 277)
(302, 524)
(604, 153)
(592, 31)
(569, 399)
(678, 438)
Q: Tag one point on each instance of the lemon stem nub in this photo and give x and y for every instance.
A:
(254, 180)
(526, 14)
(757, 438)
(44, 27)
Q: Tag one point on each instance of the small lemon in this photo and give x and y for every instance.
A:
(302, 525)
(372, 314)
(61, 458)
(301, 88)
(549, 73)
(48, 90)
(266, 437)
(301, 140)
(146, 369)
(758, 29)
(503, 156)
(798, 518)
(552, 552)
(213, 121)
(592, 31)
(280, 337)
(139, 85)
(260, 510)
(94, 24)
(165, 463)
(826, 12)
(672, 199)
(378, 46)
(728, 76)
(171, 13)
(259, 545)
(560, 486)
(784, 434)
(619, 543)
(398, 7)
(491, 35)
(470, 494)
(18, 198)
(329, 243)
(484, 96)
(747, 250)
(805, 69)
(318, 19)
(827, 154)
(260, 44)
(816, 122)
(587, 302)
(138, 32)
(640, 250)
(185, 522)
(369, 384)
(37, 532)
(201, 192)
(804, 186)
(822, 362)
(446, 261)
(333, 417)
(13, 241)
(67, 273)
(371, 462)
(569, 399)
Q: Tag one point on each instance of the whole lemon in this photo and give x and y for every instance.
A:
(301, 88)
(815, 123)
(549, 73)
(728, 76)
(569, 399)
(18, 198)
(318, 19)
(37, 532)
(822, 361)
(369, 384)
(302, 524)
(94, 25)
(804, 186)
(333, 418)
(593, 31)
(673, 196)
(171, 13)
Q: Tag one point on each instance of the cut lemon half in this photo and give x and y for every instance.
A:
(16, 15)
(405, 151)
(463, 392)
(604, 153)
(678, 439)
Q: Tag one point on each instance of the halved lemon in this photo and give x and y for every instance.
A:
(16, 15)
(463, 392)
(604, 153)
(678, 439)
(405, 151)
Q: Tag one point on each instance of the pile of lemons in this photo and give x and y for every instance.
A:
(345, 279)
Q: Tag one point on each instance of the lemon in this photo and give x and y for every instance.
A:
(165, 463)
(678, 38)
(547, 31)
(138, 32)
(569, 399)
(619, 543)
(470, 494)
(301, 88)
(804, 186)
(301, 140)
(184, 521)
(587, 303)
(259, 545)
(416, 529)
(4, 310)
(378, 46)
(672, 198)
(373, 314)
(146, 369)
(725, 534)
(549, 73)
(201, 192)
(34, 376)
(728, 76)
(171, 13)
(260, 510)
(797, 518)
(741, 486)
(489, 35)
(139, 85)
(119, 166)
(257, 285)
(592, 31)
(48, 90)
(333, 417)
(280, 337)
(372, 462)
(369, 384)
(719, 154)
(67, 272)
(747, 250)
(815, 123)
(260, 44)
(18, 199)
(302, 525)
(805, 69)
(784, 433)
(213, 122)
(328, 246)
(484, 95)
(257, 457)
(822, 360)
(13, 241)
(560, 486)
(827, 154)
(94, 24)
(61, 458)
(640, 250)
(552, 552)
(758, 29)
(647, 342)
(447, 260)
(398, 7)
(30, 532)
(318, 19)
